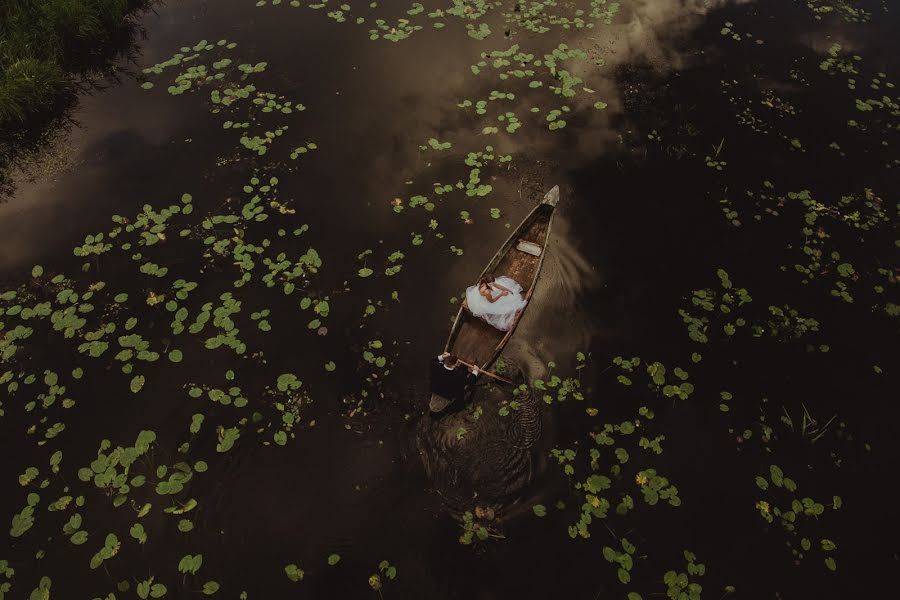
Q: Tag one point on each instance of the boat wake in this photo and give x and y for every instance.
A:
(478, 458)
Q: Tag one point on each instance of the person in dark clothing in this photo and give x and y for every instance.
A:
(449, 378)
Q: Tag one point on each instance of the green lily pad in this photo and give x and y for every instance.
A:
(137, 382)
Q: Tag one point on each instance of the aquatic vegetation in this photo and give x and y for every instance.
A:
(611, 449)
(679, 584)
(544, 16)
(294, 572)
(623, 559)
(877, 113)
(794, 520)
(787, 323)
(715, 163)
(717, 307)
(836, 63)
(513, 67)
(229, 93)
(518, 17)
(218, 302)
(7, 572)
(386, 569)
(435, 144)
(149, 589)
(655, 487)
(96, 321)
(563, 388)
(400, 30)
(822, 224)
(478, 527)
(843, 8)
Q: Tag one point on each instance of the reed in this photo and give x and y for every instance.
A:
(44, 43)
(48, 49)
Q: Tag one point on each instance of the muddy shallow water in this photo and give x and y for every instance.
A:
(676, 124)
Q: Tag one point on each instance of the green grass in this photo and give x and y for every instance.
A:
(29, 85)
(45, 47)
(43, 42)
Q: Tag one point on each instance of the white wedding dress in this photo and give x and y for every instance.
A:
(501, 313)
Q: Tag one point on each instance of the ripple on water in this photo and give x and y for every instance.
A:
(488, 461)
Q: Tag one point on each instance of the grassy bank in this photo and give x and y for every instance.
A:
(46, 47)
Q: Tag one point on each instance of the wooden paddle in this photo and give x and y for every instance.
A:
(488, 373)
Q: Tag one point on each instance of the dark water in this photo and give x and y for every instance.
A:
(640, 226)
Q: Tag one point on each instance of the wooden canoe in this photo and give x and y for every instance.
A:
(520, 257)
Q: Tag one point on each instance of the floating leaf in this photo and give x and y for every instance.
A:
(190, 563)
(79, 537)
(210, 587)
(137, 382)
(294, 572)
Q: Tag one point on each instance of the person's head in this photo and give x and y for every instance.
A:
(484, 286)
(451, 361)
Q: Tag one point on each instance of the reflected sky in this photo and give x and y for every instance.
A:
(369, 106)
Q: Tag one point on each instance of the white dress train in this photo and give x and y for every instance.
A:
(502, 312)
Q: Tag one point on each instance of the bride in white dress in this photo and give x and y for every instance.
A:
(496, 301)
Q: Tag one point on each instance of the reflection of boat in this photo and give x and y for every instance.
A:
(520, 257)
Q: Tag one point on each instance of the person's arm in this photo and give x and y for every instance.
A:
(490, 297)
(503, 291)
(473, 375)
